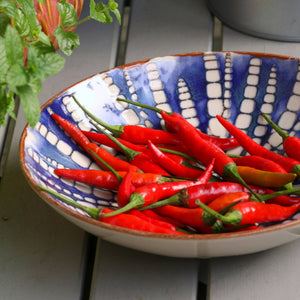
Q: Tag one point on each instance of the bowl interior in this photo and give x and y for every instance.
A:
(200, 86)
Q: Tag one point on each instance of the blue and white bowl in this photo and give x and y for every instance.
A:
(199, 86)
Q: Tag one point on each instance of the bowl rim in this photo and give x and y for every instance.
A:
(192, 237)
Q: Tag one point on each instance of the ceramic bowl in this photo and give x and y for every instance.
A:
(199, 86)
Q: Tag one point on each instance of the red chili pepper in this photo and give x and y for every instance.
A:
(139, 159)
(125, 190)
(84, 142)
(154, 215)
(134, 133)
(250, 213)
(122, 220)
(259, 162)
(188, 216)
(223, 143)
(223, 201)
(193, 216)
(145, 195)
(107, 180)
(142, 215)
(289, 164)
(101, 138)
(211, 190)
(172, 166)
(205, 151)
(291, 144)
(133, 222)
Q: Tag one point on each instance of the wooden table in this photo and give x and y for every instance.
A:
(43, 256)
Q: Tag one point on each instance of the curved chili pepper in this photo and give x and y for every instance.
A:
(145, 195)
(250, 213)
(223, 143)
(122, 220)
(136, 158)
(126, 188)
(188, 216)
(107, 180)
(76, 134)
(211, 190)
(291, 144)
(265, 178)
(259, 162)
(154, 215)
(101, 138)
(142, 215)
(135, 133)
(172, 166)
(131, 221)
(193, 216)
(205, 151)
(289, 164)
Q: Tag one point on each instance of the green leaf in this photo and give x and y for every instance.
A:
(100, 12)
(67, 13)
(43, 38)
(27, 7)
(21, 24)
(7, 105)
(9, 7)
(67, 41)
(3, 61)
(10, 104)
(51, 64)
(4, 21)
(13, 46)
(113, 7)
(16, 76)
(30, 104)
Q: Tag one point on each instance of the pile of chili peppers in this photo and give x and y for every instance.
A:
(182, 181)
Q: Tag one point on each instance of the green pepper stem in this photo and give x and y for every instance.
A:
(173, 200)
(158, 110)
(92, 212)
(233, 217)
(117, 130)
(231, 171)
(178, 153)
(283, 134)
(119, 177)
(209, 219)
(280, 193)
(136, 201)
(130, 153)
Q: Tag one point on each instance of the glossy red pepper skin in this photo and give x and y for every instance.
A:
(289, 164)
(188, 216)
(193, 216)
(259, 162)
(154, 215)
(146, 195)
(142, 215)
(201, 149)
(227, 199)
(106, 179)
(76, 134)
(133, 222)
(211, 190)
(255, 212)
(291, 145)
(222, 143)
(171, 165)
(125, 189)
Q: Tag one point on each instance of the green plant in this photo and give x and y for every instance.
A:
(28, 55)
